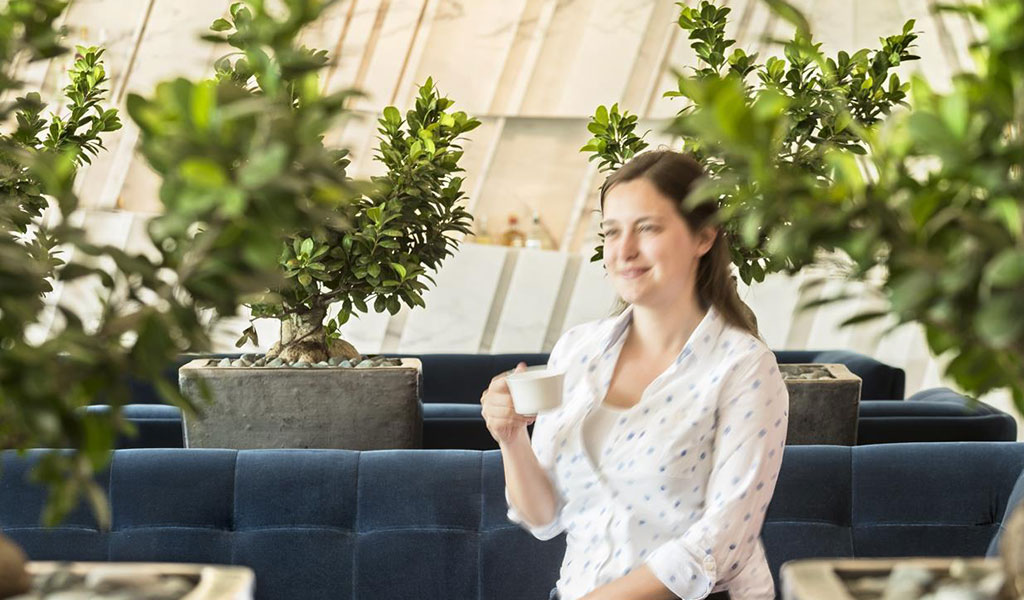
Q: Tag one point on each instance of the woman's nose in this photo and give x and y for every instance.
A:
(628, 246)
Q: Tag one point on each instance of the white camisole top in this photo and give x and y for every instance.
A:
(596, 428)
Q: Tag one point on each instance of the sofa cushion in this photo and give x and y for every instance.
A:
(934, 415)
(461, 378)
(947, 418)
(156, 425)
(431, 524)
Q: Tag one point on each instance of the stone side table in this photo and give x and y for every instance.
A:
(867, 578)
(206, 582)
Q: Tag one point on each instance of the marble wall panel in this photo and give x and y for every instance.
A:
(352, 52)
(936, 61)
(471, 78)
(397, 24)
(458, 306)
(593, 296)
(559, 49)
(650, 60)
(604, 56)
(111, 24)
(523, 55)
(529, 301)
(169, 47)
(367, 332)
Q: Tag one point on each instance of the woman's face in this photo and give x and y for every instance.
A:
(649, 251)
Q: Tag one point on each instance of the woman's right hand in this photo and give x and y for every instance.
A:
(503, 422)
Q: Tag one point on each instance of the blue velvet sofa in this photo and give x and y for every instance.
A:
(431, 525)
(459, 378)
(936, 415)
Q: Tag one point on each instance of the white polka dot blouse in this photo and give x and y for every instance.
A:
(686, 474)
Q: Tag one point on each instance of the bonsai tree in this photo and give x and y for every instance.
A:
(239, 171)
(934, 223)
(376, 248)
(827, 103)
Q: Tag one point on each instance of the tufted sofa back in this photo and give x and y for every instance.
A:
(460, 378)
(430, 524)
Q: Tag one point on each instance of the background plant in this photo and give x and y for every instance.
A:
(825, 100)
(238, 171)
(377, 248)
(935, 218)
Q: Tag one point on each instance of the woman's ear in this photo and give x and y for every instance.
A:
(706, 239)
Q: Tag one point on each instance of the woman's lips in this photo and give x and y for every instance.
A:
(632, 273)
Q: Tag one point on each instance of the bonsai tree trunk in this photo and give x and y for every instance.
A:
(304, 338)
(14, 579)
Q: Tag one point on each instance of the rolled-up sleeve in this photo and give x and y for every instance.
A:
(753, 414)
(541, 441)
(541, 532)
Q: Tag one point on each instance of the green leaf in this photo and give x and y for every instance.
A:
(398, 269)
(1007, 210)
(221, 25)
(954, 110)
(998, 320)
(392, 116)
(791, 14)
(264, 166)
(1007, 269)
(202, 173)
(307, 247)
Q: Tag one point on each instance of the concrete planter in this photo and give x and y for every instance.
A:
(263, 407)
(824, 402)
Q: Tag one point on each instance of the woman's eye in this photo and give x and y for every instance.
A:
(610, 232)
(648, 228)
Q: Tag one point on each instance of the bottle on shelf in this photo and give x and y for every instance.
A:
(537, 237)
(481, 235)
(513, 236)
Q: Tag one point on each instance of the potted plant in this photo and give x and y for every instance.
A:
(216, 245)
(823, 398)
(930, 217)
(377, 248)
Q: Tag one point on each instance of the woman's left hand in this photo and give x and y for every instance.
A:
(638, 584)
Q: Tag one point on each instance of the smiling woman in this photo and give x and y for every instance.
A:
(662, 458)
(648, 229)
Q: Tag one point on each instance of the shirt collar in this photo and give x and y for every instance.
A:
(710, 327)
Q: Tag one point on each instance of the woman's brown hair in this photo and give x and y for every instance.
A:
(675, 175)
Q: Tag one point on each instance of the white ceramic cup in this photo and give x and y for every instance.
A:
(535, 390)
